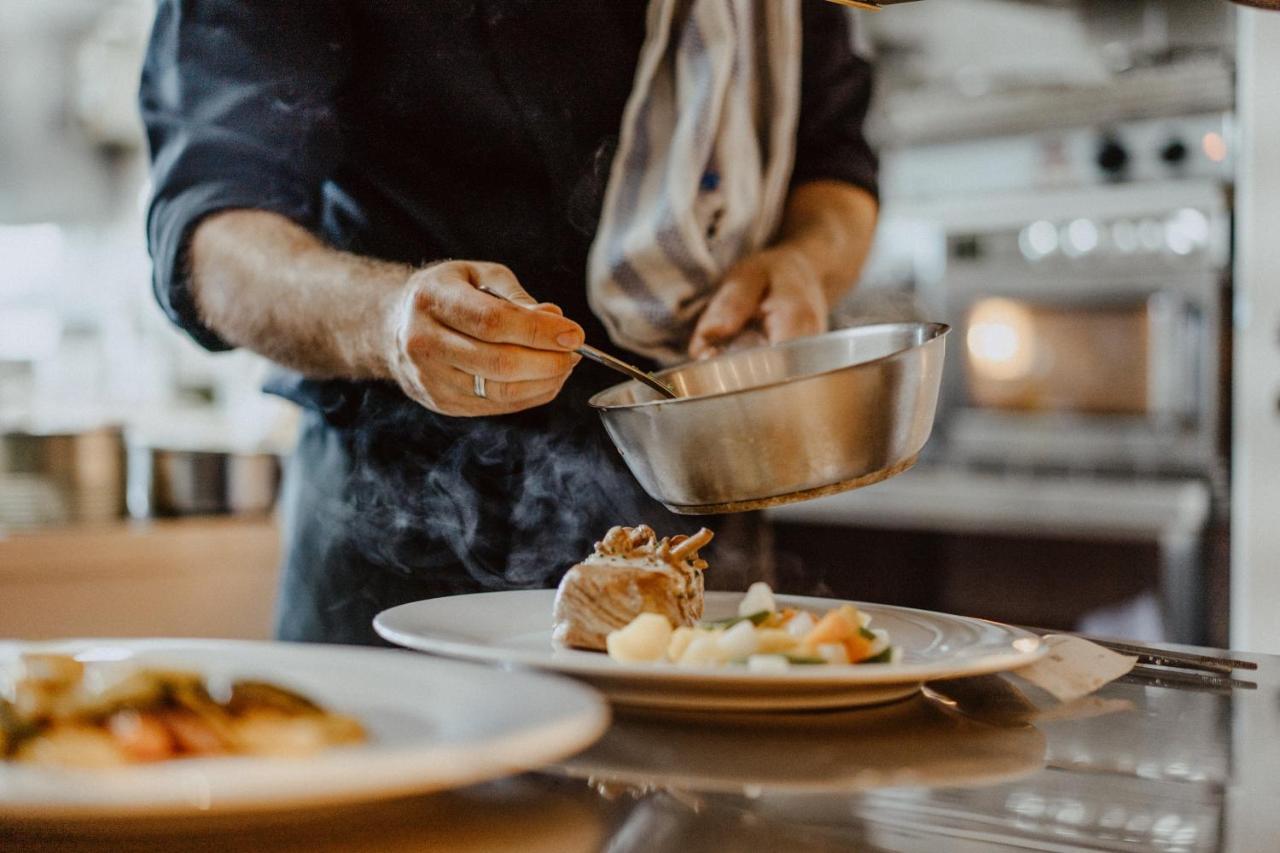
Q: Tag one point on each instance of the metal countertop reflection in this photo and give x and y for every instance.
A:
(981, 765)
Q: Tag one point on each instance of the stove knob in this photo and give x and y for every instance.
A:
(1113, 157)
(1174, 152)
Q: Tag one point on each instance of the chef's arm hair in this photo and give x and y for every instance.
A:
(265, 283)
(832, 223)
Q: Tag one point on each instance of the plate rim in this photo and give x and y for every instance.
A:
(417, 768)
(612, 671)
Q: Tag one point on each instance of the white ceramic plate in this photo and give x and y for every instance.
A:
(433, 724)
(515, 628)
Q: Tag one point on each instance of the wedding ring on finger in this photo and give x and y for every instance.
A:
(477, 385)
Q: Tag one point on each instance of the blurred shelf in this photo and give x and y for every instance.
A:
(206, 577)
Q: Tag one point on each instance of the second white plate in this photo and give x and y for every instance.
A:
(515, 628)
(432, 724)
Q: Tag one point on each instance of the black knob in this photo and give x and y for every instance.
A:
(1113, 157)
(1174, 152)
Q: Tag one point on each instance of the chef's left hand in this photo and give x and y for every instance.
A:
(786, 290)
(776, 289)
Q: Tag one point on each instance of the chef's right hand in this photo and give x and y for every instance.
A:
(446, 331)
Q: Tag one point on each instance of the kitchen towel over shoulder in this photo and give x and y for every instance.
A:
(703, 164)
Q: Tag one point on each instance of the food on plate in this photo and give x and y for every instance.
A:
(762, 636)
(631, 572)
(57, 710)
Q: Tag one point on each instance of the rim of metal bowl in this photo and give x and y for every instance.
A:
(939, 330)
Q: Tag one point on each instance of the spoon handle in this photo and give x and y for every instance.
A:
(621, 366)
(601, 357)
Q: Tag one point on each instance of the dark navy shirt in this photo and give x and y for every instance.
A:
(416, 131)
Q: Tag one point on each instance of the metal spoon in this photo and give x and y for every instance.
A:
(601, 357)
(631, 370)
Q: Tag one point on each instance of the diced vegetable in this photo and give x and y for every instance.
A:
(775, 640)
(763, 637)
(832, 653)
(680, 639)
(805, 660)
(879, 641)
(857, 648)
(755, 619)
(701, 651)
(801, 625)
(738, 642)
(759, 598)
(644, 640)
(835, 627)
(768, 663)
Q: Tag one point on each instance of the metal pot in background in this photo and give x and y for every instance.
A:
(166, 482)
(64, 477)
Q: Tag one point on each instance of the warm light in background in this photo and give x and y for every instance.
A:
(1215, 147)
(999, 339)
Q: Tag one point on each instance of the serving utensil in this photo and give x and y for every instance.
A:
(630, 370)
(609, 361)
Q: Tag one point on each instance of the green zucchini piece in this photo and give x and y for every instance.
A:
(805, 660)
(756, 619)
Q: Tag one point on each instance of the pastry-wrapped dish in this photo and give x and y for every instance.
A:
(57, 710)
(631, 572)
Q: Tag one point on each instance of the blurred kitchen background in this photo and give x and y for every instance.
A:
(1075, 185)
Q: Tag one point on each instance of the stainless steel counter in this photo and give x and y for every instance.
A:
(1136, 767)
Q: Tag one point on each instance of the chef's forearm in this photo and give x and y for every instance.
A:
(832, 223)
(263, 282)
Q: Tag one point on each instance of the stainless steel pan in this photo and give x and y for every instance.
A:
(783, 423)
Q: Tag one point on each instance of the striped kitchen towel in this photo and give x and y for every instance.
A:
(702, 168)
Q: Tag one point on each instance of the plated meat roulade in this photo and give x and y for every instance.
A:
(631, 572)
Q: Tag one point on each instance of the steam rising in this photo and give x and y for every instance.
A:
(514, 501)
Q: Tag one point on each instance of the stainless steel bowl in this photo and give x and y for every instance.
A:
(782, 423)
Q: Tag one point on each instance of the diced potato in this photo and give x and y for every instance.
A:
(680, 639)
(832, 653)
(880, 643)
(801, 625)
(768, 663)
(759, 599)
(775, 641)
(703, 650)
(644, 640)
(738, 642)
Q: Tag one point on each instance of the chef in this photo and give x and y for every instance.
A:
(418, 211)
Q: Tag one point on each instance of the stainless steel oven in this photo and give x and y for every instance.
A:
(1090, 328)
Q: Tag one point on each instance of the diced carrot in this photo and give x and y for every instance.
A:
(857, 648)
(832, 628)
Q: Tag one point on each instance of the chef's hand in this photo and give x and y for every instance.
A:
(786, 290)
(777, 290)
(446, 331)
